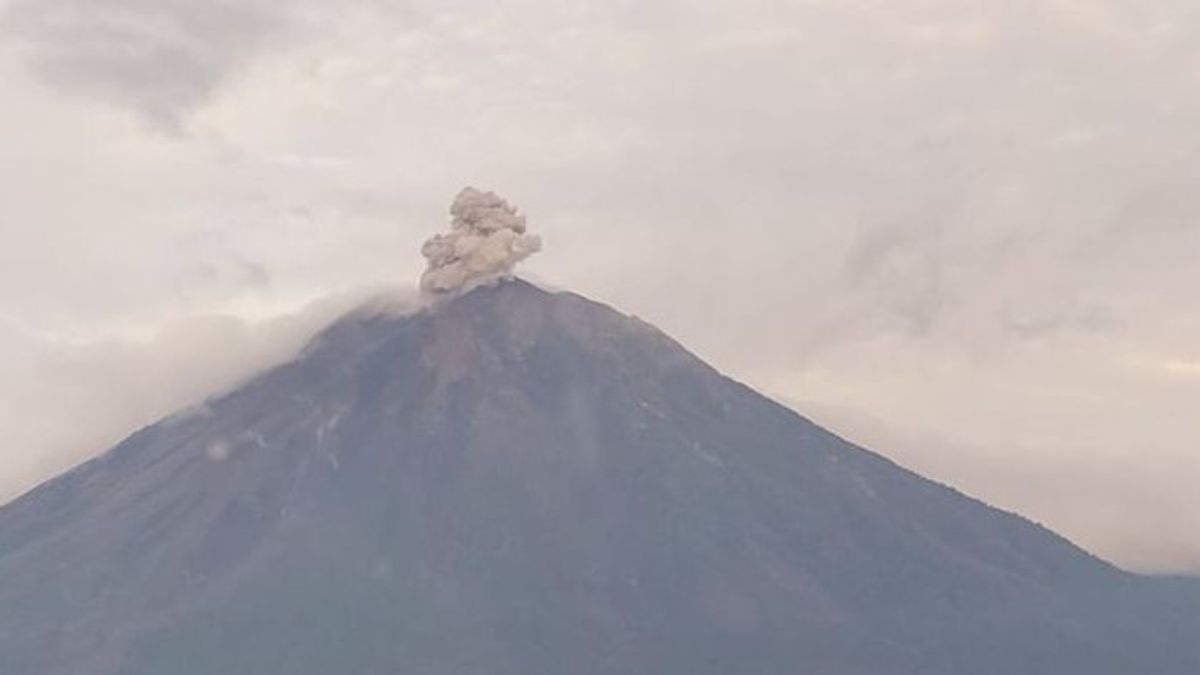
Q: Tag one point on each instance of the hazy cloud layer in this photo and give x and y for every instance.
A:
(159, 57)
(76, 396)
(963, 231)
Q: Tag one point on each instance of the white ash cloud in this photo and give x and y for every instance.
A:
(487, 239)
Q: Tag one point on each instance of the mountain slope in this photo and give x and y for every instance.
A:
(519, 481)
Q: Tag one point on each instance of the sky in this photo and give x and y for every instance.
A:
(962, 233)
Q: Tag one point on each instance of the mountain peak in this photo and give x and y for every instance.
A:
(492, 326)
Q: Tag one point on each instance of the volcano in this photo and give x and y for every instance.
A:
(516, 481)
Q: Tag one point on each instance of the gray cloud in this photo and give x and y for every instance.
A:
(161, 58)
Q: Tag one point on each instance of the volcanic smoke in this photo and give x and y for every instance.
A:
(487, 239)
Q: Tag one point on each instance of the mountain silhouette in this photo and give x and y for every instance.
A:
(518, 481)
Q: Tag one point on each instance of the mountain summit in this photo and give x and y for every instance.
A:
(515, 481)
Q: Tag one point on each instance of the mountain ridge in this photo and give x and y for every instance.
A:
(517, 480)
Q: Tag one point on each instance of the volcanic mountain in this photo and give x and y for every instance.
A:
(517, 481)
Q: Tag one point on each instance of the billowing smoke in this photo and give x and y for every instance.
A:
(487, 239)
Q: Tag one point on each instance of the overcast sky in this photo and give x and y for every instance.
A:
(962, 233)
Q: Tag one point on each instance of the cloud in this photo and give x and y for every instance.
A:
(66, 399)
(160, 58)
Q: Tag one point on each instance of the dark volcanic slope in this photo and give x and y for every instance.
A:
(522, 482)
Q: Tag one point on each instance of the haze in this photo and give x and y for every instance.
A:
(961, 233)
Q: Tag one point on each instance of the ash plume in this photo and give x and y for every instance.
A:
(487, 239)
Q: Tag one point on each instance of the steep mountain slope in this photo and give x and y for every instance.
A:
(526, 482)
